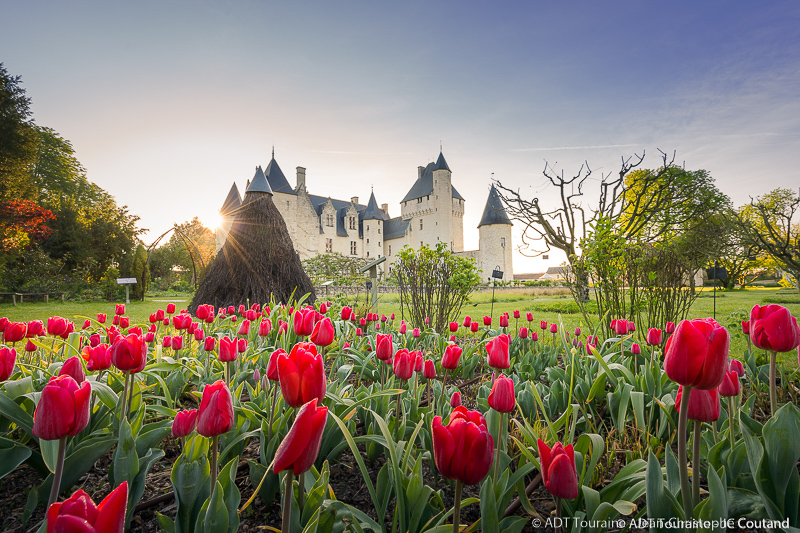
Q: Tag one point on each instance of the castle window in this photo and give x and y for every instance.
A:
(420, 244)
(545, 257)
(329, 220)
(367, 227)
(328, 245)
(390, 249)
(379, 231)
(503, 242)
(379, 243)
(367, 241)
(420, 223)
(419, 200)
(367, 253)
(352, 247)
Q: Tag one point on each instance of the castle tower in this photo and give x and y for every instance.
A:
(494, 237)
(372, 229)
(227, 213)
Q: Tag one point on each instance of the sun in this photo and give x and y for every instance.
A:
(211, 221)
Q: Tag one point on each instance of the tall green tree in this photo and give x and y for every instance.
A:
(18, 139)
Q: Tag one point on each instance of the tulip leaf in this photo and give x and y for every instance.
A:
(490, 521)
(782, 449)
(660, 503)
(136, 485)
(190, 480)
(20, 387)
(16, 414)
(715, 507)
(105, 394)
(213, 514)
(49, 449)
(151, 435)
(12, 455)
(165, 523)
(77, 464)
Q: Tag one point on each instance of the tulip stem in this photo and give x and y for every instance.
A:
(228, 373)
(272, 410)
(214, 450)
(682, 460)
(54, 489)
(773, 390)
(558, 515)
(730, 419)
(457, 506)
(287, 504)
(696, 463)
(301, 492)
(497, 450)
(130, 394)
(444, 384)
(122, 413)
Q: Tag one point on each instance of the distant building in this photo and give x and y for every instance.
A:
(554, 273)
(431, 212)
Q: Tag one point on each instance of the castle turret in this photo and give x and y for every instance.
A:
(495, 238)
(372, 228)
(227, 212)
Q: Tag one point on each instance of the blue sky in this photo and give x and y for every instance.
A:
(168, 103)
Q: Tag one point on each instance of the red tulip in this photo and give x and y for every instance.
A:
(631, 326)
(177, 342)
(8, 359)
(264, 327)
(613, 325)
(704, 405)
(429, 369)
(29, 346)
(202, 312)
(63, 409)
(636, 349)
(403, 365)
(184, 423)
(323, 332)
(473, 327)
(303, 321)
(231, 309)
(746, 327)
(502, 398)
(15, 331)
(558, 470)
(452, 354)
(621, 326)
(553, 328)
(419, 361)
(504, 321)
(516, 313)
(497, 349)
(359, 332)
(467, 321)
(543, 325)
(242, 309)
(152, 318)
(78, 513)
(129, 354)
(86, 324)
(119, 309)
(730, 386)
(384, 349)
(523, 332)
(241, 345)
(589, 348)
(300, 447)
(181, 322)
(487, 321)
(534, 336)
(166, 342)
(56, 325)
(244, 327)
(124, 322)
(302, 375)
(736, 366)
(455, 400)
(215, 415)
(97, 357)
(697, 354)
(463, 449)
(453, 327)
(72, 367)
(345, 314)
(198, 334)
(654, 337)
(36, 328)
(170, 308)
(208, 344)
(669, 329)
(227, 349)
(250, 315)
(773, 328)
(415, 333)
(102, 317)
(160, 315)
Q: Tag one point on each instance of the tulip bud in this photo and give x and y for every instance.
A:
(415, 333)
(177, 342)
(227, 349)
(403, 365)
(208, 344)
(455, 400)
(166, 342)
(543, 325)
(730, 386)
(244, 327)
(502, 398)
(119, 309)
(621, 326)
(669, 329)
(184, 423)
(473, 327)
(302, 374)
(697, 354)
(29, 347)
(773, 328)
(631, 326)
(636, 349)
(504, 321)
(241, 346)
(323, 332)
(523, 332)
(467, 321)
(487, 321)
(403, 328)
(264, 327)
(516, 313)
(452, 355)
(101, 317)
(419, 361)
(170, 308)
(704, 405)
(529, 317)
(453, 327)
(384, 349)
(497, 349)
(198, 334)
(736, 366)
(654, 337)
(429, 369)
(553, 328)
(72, 367)
(8, 359)
(272, 365)
(746, 327)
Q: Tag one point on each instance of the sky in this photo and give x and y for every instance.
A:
(168, 103)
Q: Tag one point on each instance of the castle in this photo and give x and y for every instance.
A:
(431, 212)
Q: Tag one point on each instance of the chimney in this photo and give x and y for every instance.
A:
(354, 199)
(420, 170)
(301, 178)
(385, 208)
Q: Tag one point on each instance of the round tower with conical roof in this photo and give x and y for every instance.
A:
(372, 219)
(494, 238)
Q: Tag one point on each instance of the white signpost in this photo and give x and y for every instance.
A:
(127, 282)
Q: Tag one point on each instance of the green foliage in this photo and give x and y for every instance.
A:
(435, 283)
(18, 140)
(335, 267)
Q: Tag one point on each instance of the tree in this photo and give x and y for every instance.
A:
(340, 269)
(18, 140)
(770, 223)
(190, 249)
(434, 283)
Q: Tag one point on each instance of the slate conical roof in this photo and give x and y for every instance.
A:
(276, 178)
(232, 202)
(373, 212)
(259, 183)
(441, 164)
(494, 212)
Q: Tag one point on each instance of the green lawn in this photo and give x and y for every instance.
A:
(732, 306)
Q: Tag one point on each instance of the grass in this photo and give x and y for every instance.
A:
(545, 304)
